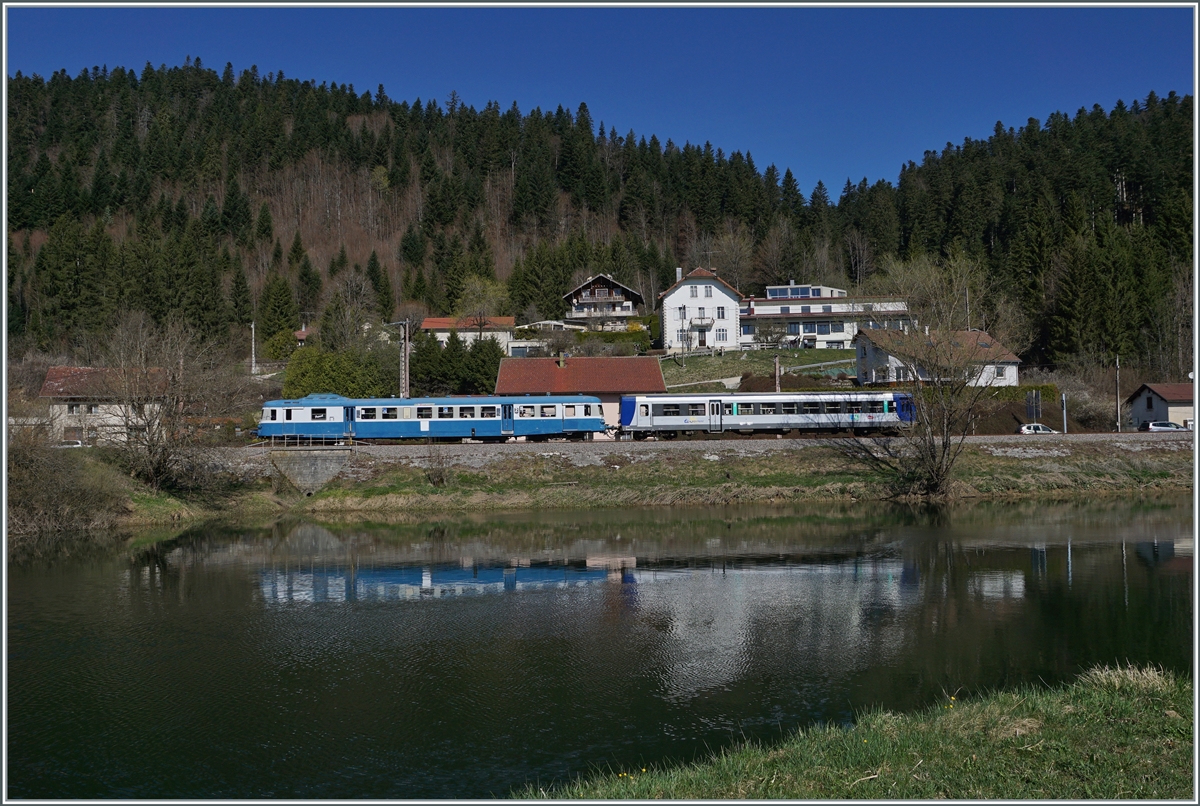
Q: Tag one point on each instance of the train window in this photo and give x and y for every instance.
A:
(714, 408)
(695, 409)
(424, 412)
(287, 414)
(728, 409)
(487, 412)
(568, 411)
(408, 412)
(389, 413)
(549, 411)
(644, 409)
(445, 412)
(466, 411)
(768, 408)
(525, 411)
(875, 407)
(366, 414)
(837, 407)
(788, 408)
(273, 412)
(854, 407)
(587, 409)
(318, 414)
(670, 410)
(811, 408)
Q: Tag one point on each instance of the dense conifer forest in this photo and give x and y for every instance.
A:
(228, 198)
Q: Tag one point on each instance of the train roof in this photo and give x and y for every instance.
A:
(773, 395)
(339, 400)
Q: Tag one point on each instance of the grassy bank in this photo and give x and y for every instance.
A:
(713, 473)
(1114, 733)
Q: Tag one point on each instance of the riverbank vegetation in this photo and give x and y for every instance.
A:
(1115, 733)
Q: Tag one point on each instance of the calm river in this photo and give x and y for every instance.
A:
(465, 658)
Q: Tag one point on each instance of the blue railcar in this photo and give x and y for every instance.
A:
(749, 413)
(491, 417)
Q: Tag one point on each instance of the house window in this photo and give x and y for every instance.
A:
(881, 375)
(785, 309)
(701, 314)
(902, 373)
(805, 309)
(682, 336)
(747, 330)
(93, 408)
(694, 291)
(1149, 401)
(822, 328)
(1000, 372)
(837, 327)
(835, 345)
(682, 312)
(722, 334)
(793, 328)
(72, 408)
(708, 290)
(720, 312)
(318, 414)
(810, 327)
(827, 309)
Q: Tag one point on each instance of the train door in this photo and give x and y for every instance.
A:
(506, 418)
(348, 418)
(714, 417)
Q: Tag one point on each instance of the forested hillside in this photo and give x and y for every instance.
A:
(238, 197)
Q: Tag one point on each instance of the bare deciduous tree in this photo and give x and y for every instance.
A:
(733, 251)
(944, 361)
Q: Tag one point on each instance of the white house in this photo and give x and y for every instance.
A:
(100, 405)
(1158, 402)
(886, 355)
(700, 311)
(469, 329)
(816, 316)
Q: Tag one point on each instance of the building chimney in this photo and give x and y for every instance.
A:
(562, 359)
(678, 274)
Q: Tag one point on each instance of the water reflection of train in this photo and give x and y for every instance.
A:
(579, 417)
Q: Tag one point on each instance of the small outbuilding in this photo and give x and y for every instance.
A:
(606, 377)
(1158, 402)
(98, 405)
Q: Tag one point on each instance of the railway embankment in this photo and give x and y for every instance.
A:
(380, 482)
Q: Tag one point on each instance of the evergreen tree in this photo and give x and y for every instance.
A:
(308, 288)
(378, 276)
(277, 308)
(240, 302)
(264, 229)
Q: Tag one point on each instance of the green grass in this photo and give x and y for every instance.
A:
(732, 364)
(1120, 733)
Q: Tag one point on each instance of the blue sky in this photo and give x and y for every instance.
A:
(832, 93)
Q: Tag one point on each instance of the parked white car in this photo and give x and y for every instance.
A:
(1035, 428)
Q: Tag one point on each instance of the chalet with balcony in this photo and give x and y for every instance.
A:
(816, 316)
(602, 303)
(699, 312)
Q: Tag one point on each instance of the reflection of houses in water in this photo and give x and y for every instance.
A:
(1172, 556)
(998, 584)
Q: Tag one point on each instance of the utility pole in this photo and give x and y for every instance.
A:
(1064, 407)
(1118, 394)
(404, 384)
(253, 359)
(777, 373)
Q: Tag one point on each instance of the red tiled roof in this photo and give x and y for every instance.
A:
(88, 382)
(582, 376)
(468, 323)
(983, 348)
(701, 274)
(1170, 392)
